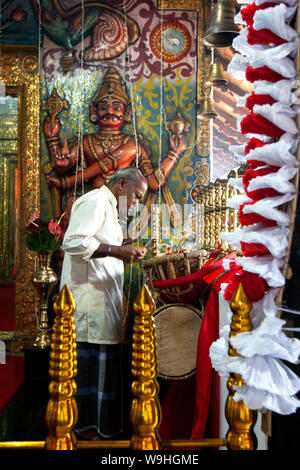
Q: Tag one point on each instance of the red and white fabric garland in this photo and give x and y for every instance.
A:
(266, 48)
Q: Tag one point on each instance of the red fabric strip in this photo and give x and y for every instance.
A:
(254, 99)
(257, 124)
(262, 73)
(263, 192)
(210, 267)
(249, 11)
(263, 36)
(253, 144)
(254, 249)
(253, 218)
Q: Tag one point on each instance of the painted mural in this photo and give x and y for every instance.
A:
(152, 55)
(155, 54)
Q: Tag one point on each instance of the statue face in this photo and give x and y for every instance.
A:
(111, 113)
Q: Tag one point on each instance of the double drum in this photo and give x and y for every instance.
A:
(177, 330)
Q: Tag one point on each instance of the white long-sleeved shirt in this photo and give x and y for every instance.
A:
(95, 283)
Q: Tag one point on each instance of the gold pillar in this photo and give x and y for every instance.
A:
(212, 227)
(145, 412)
(218, 205)
(224, 214)
(206, 219)
(232, 213)
(61, 413)
(241, 420)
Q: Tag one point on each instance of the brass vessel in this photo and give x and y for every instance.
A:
(44, 280)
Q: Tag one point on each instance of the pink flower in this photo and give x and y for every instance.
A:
(55, 229)
(35, 223)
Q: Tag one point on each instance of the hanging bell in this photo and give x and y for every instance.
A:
(222, 29)
(215, 76)
(206, 109)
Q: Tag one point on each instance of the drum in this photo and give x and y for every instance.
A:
(166, 266)
(177, 330)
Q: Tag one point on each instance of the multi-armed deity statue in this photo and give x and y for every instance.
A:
(100, 154)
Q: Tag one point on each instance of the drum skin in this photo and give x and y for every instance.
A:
(177, 330)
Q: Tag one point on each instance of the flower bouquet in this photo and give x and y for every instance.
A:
(44, 239)
(42, 236)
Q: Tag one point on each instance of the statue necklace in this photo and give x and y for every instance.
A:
(105, 139)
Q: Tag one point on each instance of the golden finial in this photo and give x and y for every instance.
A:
(241, 419)
(61, 413)
(145, 412)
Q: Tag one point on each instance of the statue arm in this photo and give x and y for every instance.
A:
(102, 165)
(64, 158)
(87, 174)
(156, 177)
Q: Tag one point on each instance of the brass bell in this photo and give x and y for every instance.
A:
(215, 76)
(206, 109)
(222, 29)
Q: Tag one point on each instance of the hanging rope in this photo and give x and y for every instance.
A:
(37, 175)
(160, 103)
(38, 117)
(131, 89)
(80, 154)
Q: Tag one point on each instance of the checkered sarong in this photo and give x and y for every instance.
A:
(99, 388)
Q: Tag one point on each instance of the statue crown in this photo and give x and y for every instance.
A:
(112, 86)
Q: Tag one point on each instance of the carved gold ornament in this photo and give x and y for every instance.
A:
(18, 69)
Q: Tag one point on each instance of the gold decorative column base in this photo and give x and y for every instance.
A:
(145, 412)
(241, 420)
(61, 413)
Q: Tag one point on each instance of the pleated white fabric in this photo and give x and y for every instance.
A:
(269, 382)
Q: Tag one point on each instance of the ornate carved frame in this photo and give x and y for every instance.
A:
(19, 71)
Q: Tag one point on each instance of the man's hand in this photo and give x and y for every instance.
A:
(129, 253)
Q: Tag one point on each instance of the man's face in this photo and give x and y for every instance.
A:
(111, 113)
(134, 193)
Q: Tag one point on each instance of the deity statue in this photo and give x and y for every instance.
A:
(102, 153)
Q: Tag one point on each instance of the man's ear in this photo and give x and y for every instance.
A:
(122, 183)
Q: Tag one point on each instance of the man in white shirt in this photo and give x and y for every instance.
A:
(94, 272)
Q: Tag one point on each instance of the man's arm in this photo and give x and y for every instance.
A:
(79, 240)
(157, 177)
(86, 220)
(127, 253)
